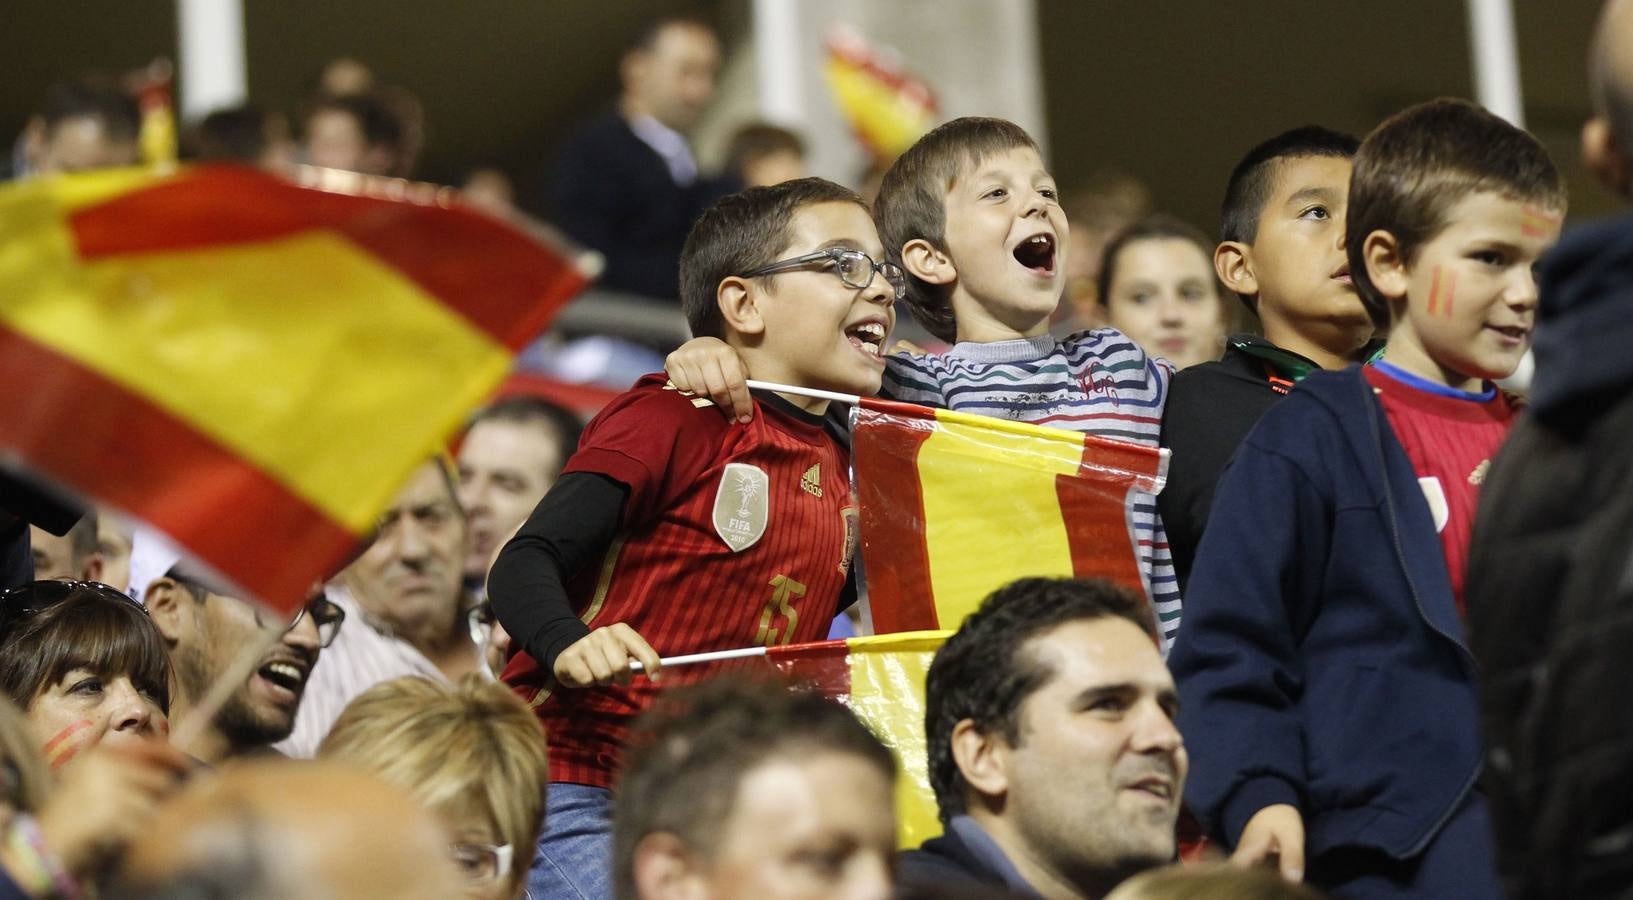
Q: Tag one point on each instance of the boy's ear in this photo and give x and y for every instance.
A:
(982, 758)
(170, 606)
(739, 305)
(1604, 158)
(1233, 263)
(1386, 267)
(923, 261)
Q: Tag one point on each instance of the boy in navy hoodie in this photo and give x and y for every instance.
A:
(1328, 695)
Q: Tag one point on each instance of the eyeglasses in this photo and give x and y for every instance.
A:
(483, 862)
(20, 602)
(326, 615)
(853, 267)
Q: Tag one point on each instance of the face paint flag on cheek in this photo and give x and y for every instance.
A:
(66, 744)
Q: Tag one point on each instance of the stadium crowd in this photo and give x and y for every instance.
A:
(1372, 653)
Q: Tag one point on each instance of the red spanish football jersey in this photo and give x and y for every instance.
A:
(1450, 441)
(733, 536)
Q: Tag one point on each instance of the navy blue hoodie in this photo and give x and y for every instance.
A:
(1322, 661)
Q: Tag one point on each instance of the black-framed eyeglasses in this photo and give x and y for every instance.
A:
(326, 615)
(855, 268)
(24, 600)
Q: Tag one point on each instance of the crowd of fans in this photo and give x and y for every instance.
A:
(1331, 675)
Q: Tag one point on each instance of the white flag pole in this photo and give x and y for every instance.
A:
(695, 658)
(805, 391)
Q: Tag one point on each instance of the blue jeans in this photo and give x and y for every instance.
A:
(574, 858)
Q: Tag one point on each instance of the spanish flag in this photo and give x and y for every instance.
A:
(249, 365)
(954, 506)
(881, 679)
(888, 108)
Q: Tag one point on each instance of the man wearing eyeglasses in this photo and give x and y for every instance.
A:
(206, 629)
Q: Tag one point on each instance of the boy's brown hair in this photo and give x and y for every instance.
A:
(1412, 169)
(912, 202)
(740, 233)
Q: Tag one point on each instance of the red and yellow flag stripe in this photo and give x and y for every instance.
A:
(250, 365)
(881, 679)
(955, 505)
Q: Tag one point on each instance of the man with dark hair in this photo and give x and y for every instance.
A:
(1053, 752)
(626, 184)
(72, 556)
(1548, 578)
(206, 628)
(87, 123)
(1281, 251)
(509, 457)
(743, 789)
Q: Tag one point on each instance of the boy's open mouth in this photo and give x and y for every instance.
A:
(869, 337)
(1037, 253)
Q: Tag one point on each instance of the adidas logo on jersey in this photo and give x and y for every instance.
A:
(811, 481)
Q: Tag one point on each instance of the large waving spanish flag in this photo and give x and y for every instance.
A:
(881, 679)
(955, 505)
(252, 366)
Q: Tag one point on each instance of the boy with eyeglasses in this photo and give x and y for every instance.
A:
(674, 530)
(972, 216)
(206, 627)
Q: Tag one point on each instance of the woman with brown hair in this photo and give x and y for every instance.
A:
(84, 664)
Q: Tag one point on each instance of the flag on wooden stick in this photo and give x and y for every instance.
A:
(954, 506)
(251, 366)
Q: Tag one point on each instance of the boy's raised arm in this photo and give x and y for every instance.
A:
(708, 367)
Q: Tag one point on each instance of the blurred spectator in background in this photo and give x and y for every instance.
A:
(406, 611)
(85, 664)
(489, 189)
(1158, 286)
(740, 789)
(759, 154)
(1110, 202)
(357, 133)
(345, 77)
(23, 505)
(207, 628)
(244, 134)
(510, 456)
(472, 753)
(626, 184)
(83, 124)
(277, 829)
(113, 547)
(71, 556)
(55, 835)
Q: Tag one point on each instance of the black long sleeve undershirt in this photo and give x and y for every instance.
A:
(569, 529)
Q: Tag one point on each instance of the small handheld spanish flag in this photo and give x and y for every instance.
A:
(881, 679)
(954, 506)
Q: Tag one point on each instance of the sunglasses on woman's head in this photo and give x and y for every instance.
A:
(20, 602)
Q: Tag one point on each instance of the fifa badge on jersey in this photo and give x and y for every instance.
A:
(741, 505)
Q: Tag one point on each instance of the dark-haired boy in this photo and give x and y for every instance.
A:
(1328, 692)
(972, 215)
(673, 530)
(1282, 251)
(744, 789)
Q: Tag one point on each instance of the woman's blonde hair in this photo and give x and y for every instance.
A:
(1211, 882)
(450, 745)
